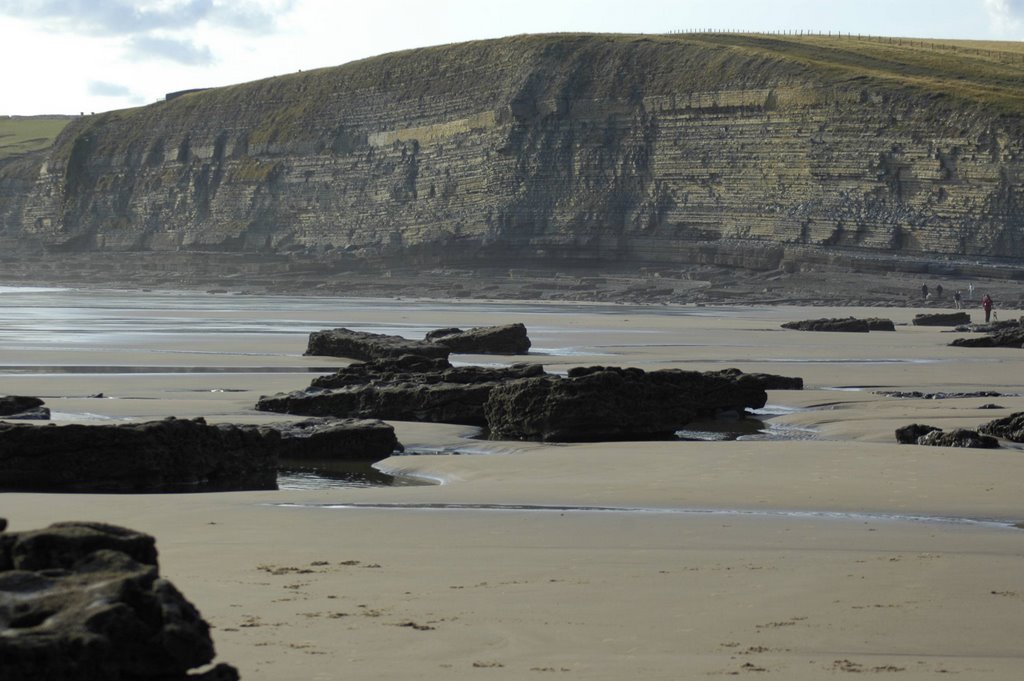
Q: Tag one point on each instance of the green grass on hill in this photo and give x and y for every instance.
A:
(22, 134)
(987, 73)
(282, 111)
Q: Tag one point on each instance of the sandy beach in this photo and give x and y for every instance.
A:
(822, 549)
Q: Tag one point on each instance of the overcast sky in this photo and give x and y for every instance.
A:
(70, 56)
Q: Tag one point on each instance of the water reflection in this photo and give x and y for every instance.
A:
(310, 474)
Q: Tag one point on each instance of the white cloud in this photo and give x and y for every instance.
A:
(1006, 16)
(102, 88)
(182, 51)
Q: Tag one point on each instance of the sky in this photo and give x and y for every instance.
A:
(82, 56)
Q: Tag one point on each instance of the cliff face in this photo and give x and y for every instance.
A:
(588, 147)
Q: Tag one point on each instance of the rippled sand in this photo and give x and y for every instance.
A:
(797, 559)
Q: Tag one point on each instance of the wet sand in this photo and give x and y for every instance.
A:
(803, 559)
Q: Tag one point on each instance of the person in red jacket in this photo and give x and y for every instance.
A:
(986, 305)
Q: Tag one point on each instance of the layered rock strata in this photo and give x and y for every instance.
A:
(749, 151)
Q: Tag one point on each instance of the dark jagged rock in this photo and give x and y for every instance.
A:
(1010, 338)
(941, 319)
(14, 404)
(85, 602)
(880, 324)
(369, 346)
(847, 324)
(37, 414)
(771, 381)
(157, 456)
(991, 405)
(909, 435)
(916, 394)
(338, 439)
(958, 437)
(1009, 427)
(409, 388)
(23, 408)
(611, 403)
(991, 327)
(918, 434)
(509, 339)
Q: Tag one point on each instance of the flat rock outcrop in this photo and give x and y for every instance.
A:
(1008, 338)
(22, 407)
(177, 455)
(368, 346)
(85, 602)
(941, 319)
(842, 324)
(507, 339)
(1009, 428)
(610, 403)
(156, 456)
(337, 439)
(410, 388)
(931, 436)
(524, 402)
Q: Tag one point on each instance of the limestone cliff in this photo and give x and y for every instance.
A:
(626, 148)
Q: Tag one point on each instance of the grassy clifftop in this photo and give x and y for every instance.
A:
(987, 73)
(964, 74)
(23, 134)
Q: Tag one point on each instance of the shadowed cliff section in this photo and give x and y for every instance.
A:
(725, 149)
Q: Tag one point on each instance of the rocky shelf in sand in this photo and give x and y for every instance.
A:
(85, 601)
(176, 455)
(941, 319)
(1005, 338)
(21, 407)
(508, 339)
(843, 324)
(524, 402)
(409, 388)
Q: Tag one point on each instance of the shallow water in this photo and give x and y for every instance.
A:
(833, 515)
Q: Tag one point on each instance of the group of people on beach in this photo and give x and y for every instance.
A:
(958, 298)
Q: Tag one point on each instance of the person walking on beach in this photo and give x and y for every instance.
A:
(924, 291)
(957, 298)
(986, 305)
(938, 291)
